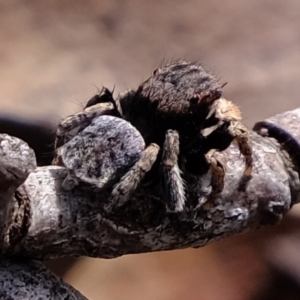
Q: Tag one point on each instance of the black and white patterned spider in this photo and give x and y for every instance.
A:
(170, 110)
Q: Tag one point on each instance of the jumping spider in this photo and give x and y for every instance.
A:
(171, 109)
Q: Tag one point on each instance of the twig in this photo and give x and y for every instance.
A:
(43, 221)
(21, 280)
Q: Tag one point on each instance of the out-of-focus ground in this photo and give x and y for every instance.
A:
(54, 55)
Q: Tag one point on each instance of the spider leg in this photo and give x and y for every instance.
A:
(173, 183)
(73, 124)
(242, 137)
(217, 170)
(229, 117)
(123, 190)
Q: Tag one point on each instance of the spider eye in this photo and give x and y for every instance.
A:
(210, 96)
(194, 100)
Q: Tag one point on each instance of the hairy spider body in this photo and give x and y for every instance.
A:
(172, 109)
(177, 97)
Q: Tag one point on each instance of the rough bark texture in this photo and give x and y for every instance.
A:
(20, 280)
(40, 220)
(52, 222)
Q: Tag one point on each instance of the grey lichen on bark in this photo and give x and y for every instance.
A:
(21, 280)
(17, 161)
(53, 222)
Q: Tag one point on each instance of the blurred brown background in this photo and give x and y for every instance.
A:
(56, 54)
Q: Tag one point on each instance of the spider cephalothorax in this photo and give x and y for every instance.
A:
(178, 96)
(171, 109)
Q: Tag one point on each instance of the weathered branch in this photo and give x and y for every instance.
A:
(21, 280)
(43, 221)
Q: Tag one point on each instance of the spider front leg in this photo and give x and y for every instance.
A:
(241, 134)
(173, 183)
(203, 159)
(73, 124)
(101, 104)
(217, 170)
(123, 190)
(228, 116)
